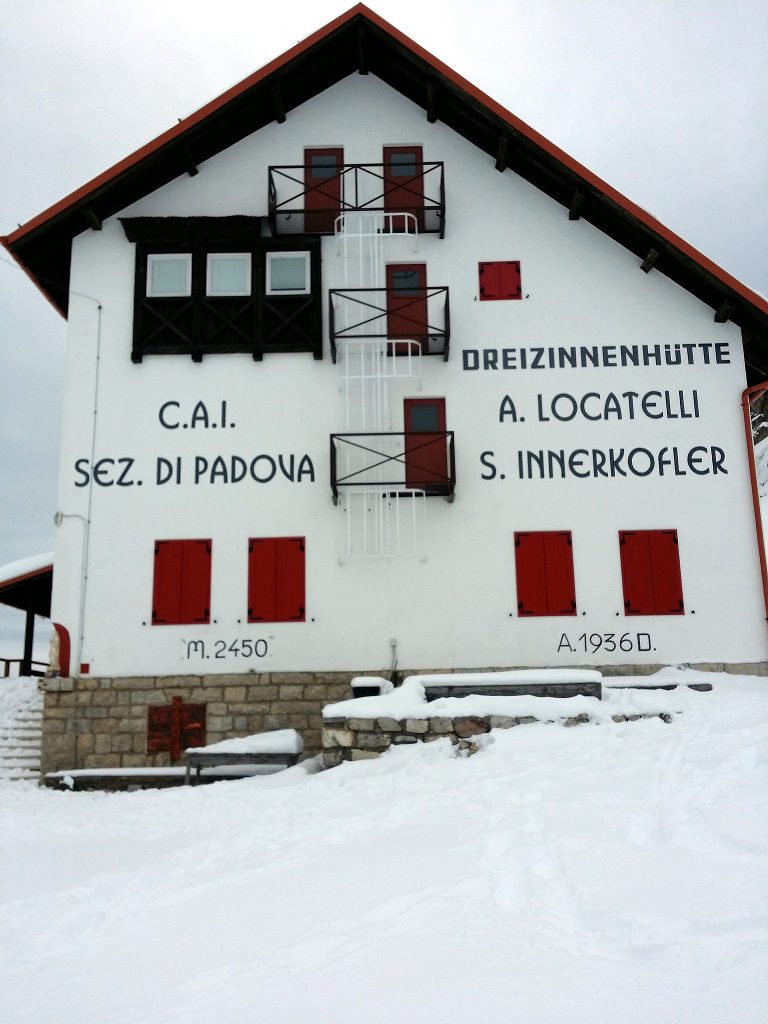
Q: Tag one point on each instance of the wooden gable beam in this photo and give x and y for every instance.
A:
(650, 261)
(188, 161)
(431, 102)
(725, 311)
(92, 219)
(501, 153)
(362, 53)
(277, 104)
(577, 205)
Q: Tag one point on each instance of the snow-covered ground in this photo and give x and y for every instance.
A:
(603, 874)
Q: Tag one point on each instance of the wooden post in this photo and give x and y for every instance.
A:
(29, 636)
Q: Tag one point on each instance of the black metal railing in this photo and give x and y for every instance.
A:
(296, 207)
(24, 668)
(369, 314)
(400, 463)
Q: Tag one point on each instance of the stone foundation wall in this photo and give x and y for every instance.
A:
(355, 739)
(90, 722)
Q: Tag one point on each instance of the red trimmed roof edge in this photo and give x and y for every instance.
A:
(26, 576)
(437, 65)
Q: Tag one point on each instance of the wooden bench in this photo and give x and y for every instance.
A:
(217, 760)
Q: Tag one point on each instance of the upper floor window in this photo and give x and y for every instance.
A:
(169, 275)
(288, 273)
(228, 273)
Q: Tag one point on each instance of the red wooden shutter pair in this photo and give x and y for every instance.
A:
(544, 572)
(182, 582)
(650, 572)
(174, 727)
(500, 280)
(276, 579)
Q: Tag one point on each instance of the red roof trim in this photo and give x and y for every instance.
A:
(26, 576)
(437, 65)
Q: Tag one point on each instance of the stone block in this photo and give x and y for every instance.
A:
(331, 758)
(464, 727)
(240, 724)
(133, 761)
(316, 692)
(416, 725)
(362, 724)
(219, 723)
(54, 726)
(388, 725)
(133, 683)
(59, 684)
(121, 744)
(217, 707)
(101, 744)
(104, 725)
(441, 726)
(104, 699)
(84, 744)
(290, 707)
(86, 683)
(373, 741)
(502, 722)
(102, 761)
(234, 693)
(403, 738)
(299, 722)
(92, 712)
(362, 755)
(290, 692)
(292, 678)
(336, 737)
(526, 720)
(147, 697)
(262, 692)
(577, 719)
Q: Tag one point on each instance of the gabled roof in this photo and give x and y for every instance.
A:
(27, 583)
(361, 41)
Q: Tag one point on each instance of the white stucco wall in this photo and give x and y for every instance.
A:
(456, 605)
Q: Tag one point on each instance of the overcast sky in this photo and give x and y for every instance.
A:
(667, 100)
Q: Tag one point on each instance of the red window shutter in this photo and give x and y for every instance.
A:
(500, 280)
(650, 572)
(181, 590)
(544, 573)
(289, 582)
(196, 581)
(261, 579)
(667, 581)
(192, 725)
(561, 587)
(158, 727)
(276, 579)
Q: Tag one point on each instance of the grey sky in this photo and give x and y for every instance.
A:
(667, 100)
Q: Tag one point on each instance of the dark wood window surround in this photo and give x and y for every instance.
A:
(199, 324)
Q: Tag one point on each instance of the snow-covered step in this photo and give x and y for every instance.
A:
(21, 719)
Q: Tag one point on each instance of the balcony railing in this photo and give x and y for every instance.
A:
(369, 314)
(298, 208)
(396, 463)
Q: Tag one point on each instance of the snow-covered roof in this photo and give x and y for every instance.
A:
(13, 572)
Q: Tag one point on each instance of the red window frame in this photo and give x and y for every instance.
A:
(181, 586)
(276, 579)
(650, 572)
(544, 573)
(500, 280)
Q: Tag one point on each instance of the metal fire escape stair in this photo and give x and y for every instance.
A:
(380, 522)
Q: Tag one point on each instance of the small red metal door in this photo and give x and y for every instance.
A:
(322, 189)
(426, 446)
(404, 186)
(407, 314)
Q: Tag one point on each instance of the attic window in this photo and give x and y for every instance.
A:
(169, 275)
(287, 273)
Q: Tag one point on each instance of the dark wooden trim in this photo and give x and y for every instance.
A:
(185, 230)
(432, 91)
(501, 153)
(362, 54)
(577, 205)
(650, 261)
(188, 161)
(277, 103)
(725, 311)
(92, 219)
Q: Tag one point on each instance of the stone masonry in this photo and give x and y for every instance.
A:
(90, 722)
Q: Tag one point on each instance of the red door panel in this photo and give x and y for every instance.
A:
(636, 572)
(558, 560)
(404, 186)
(322, 185)
(196, 586)
(181, 590)
(530, 574)
(289, 584)
(544, 573)
(426, 447)
(407, 313)
(262, 556)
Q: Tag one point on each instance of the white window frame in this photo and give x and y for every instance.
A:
(288, 254)
(160, 257)
(211, 256)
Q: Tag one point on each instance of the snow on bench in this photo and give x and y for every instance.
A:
(536, 682)
(282, 747)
